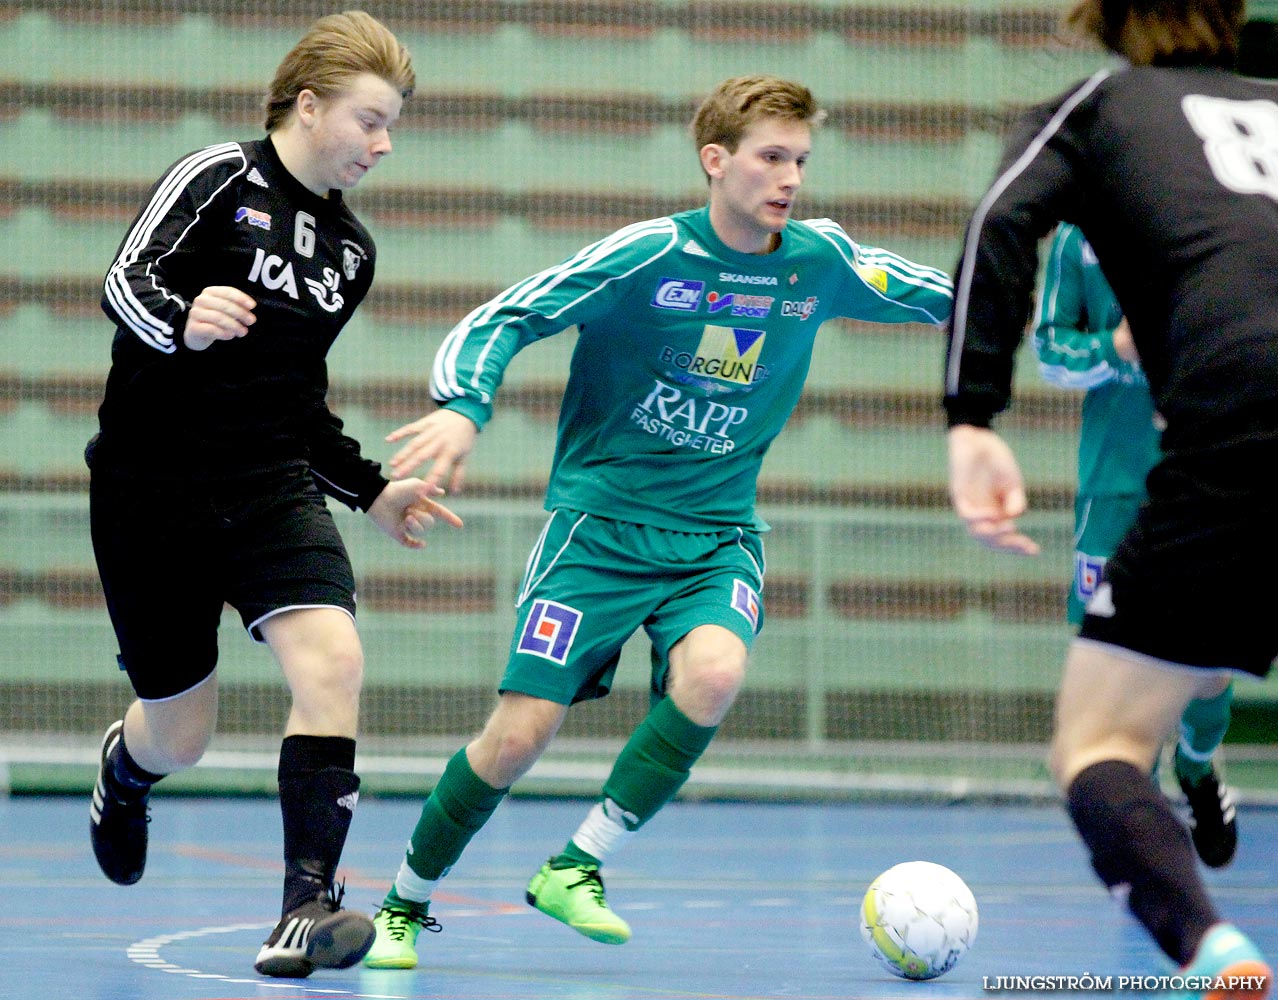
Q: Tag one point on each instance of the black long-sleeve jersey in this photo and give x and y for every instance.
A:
(231, 214)
(1172, 175)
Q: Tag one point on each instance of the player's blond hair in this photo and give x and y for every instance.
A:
(335, 50)
(1154, 32)
(740, 101)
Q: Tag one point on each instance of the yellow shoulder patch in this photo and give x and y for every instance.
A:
(873, 276)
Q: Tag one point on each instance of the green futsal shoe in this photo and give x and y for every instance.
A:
(575, 896)
(397, 930)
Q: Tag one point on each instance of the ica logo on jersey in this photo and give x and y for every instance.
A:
(273, 273)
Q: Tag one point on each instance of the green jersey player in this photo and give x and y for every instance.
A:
(695, 336)
(1083, 342)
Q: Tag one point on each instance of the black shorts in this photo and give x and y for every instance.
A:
(1193, 581)
(170, 557)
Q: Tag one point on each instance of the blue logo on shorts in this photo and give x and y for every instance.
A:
(745, 600)
(1087, 575)
(549, 631)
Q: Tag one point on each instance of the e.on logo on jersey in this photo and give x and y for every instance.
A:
(682, 294)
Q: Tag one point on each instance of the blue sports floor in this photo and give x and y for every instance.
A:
(727, 902)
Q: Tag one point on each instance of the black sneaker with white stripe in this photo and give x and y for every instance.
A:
(317, 935)
(117, 826)
(1213, 820)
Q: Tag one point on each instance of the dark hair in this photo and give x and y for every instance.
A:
(1163, 32)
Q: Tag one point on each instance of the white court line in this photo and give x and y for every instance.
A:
(147, 952)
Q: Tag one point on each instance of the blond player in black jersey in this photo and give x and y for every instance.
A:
(215, 443)
(1168, 164)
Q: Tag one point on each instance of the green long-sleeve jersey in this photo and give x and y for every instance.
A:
(689, 360)
(1074, 336)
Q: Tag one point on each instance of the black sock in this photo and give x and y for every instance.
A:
(1136, 840)
(129, 782)
(318, 792)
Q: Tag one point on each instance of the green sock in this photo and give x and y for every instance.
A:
(457, 809)
(1202, 730)
(573, 855)
(649, 771)
(394, 901)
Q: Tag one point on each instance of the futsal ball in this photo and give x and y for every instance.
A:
(919, 919)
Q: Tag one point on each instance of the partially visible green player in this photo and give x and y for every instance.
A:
(695, 335)
(1083, 343)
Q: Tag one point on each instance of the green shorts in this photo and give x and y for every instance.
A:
(1099, 525)
(590, 583)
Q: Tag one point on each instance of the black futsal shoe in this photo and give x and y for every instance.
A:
(117, 826)
(316, 935)
(1213, 819)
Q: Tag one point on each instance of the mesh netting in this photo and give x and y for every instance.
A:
(536, 128)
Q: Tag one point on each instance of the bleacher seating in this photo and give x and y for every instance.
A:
(538, 126)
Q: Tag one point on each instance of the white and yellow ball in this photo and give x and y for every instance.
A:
(919, 919)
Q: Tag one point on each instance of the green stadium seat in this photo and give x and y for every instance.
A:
(35, 438)
(536, 128)
(918, 52)
(40, 342)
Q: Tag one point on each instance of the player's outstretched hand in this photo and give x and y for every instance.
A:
(1124, 345)
(220, 312)
(986, 489)
(444, 438)
(406, 509)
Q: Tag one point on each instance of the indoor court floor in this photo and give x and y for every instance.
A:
(727, 901)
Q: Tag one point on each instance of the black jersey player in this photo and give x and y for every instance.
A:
(1168, 163)
(214, 452)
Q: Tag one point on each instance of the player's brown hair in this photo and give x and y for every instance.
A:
(740, 101)
(335, 50)
(1163, 32)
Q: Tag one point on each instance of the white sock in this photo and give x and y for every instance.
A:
(1189, 753)
(603, 831)
(411, 887)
